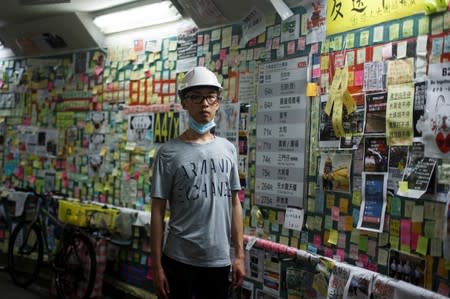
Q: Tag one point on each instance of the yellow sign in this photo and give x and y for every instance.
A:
(345, 15)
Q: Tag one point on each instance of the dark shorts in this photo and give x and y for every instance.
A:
(187, 282)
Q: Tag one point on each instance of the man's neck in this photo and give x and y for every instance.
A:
(193, 137)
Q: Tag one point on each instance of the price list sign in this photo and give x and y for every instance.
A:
(280, 133)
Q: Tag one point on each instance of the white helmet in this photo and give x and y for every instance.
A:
(198, 76)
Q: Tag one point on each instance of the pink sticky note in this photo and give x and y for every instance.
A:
(317, 240)
(359, 78)
(328, 252)
(335, 213)
(31, 179)
(341, 253)
(405, 229)
(223, 54)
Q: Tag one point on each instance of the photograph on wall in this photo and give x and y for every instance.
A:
(334, 171)
(376, 154)
(407, 267)
(373, 204)
(376, 113)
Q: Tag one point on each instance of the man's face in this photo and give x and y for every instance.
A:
(202, 104)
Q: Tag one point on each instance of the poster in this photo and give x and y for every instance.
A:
(419, 108)
(397, 163)
(280, 133)
(418, 177)
(327, 137)
(272, 274)
(140, 129)
(187, 50)
(376, 154)
(334, 172)
(315, 23)
(344, 16)
(39, 141)
(376, 113)
(407, 267)
(227, 122)
(290, 28)
(399, 120)
(436, 134)
(374, 198)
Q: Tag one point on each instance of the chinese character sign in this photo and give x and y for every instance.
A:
(352, 14)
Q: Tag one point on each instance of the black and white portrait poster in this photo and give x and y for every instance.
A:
(140, 129)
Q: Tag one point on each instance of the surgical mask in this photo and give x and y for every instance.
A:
(199, 127)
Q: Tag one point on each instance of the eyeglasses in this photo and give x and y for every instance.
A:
(198, 98)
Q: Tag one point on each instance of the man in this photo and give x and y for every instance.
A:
(197, 175)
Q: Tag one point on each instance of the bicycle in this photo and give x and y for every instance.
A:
(9, 212)
(73, 262)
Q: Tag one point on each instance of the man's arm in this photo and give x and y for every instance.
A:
(156, 239)
(237, 236)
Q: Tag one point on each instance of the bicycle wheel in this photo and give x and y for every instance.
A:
(25, 253)
(75, 267)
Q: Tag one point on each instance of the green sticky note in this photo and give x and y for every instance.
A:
(363, 243)
(350, 40)
(356, 198)
(396, 206)
(422, 245)
(424, 25)
(407, 28)
(364, 38)
(328, 222)
(394, 31)
(337, 43)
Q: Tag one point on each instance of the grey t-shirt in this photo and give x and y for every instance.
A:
(197, 179)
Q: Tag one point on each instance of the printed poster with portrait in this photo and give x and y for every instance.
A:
(140, 129)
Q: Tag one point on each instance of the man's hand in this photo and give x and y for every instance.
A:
(238, 272)
(160, 284)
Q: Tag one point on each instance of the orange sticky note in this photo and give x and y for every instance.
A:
(311, 89)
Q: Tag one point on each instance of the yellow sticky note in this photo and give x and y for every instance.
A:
(403, 186)
(333, 237)
(311, 89)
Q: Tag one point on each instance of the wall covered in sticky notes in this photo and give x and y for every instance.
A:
(370, 192)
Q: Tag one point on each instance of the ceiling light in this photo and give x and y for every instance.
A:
(282, 9)
(137, 17)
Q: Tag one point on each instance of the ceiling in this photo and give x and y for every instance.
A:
(73, 19)
(12, 12)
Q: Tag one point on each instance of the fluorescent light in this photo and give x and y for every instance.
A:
(137, 17)
(282, 9)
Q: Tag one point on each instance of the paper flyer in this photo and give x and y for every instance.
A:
(374, 199)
